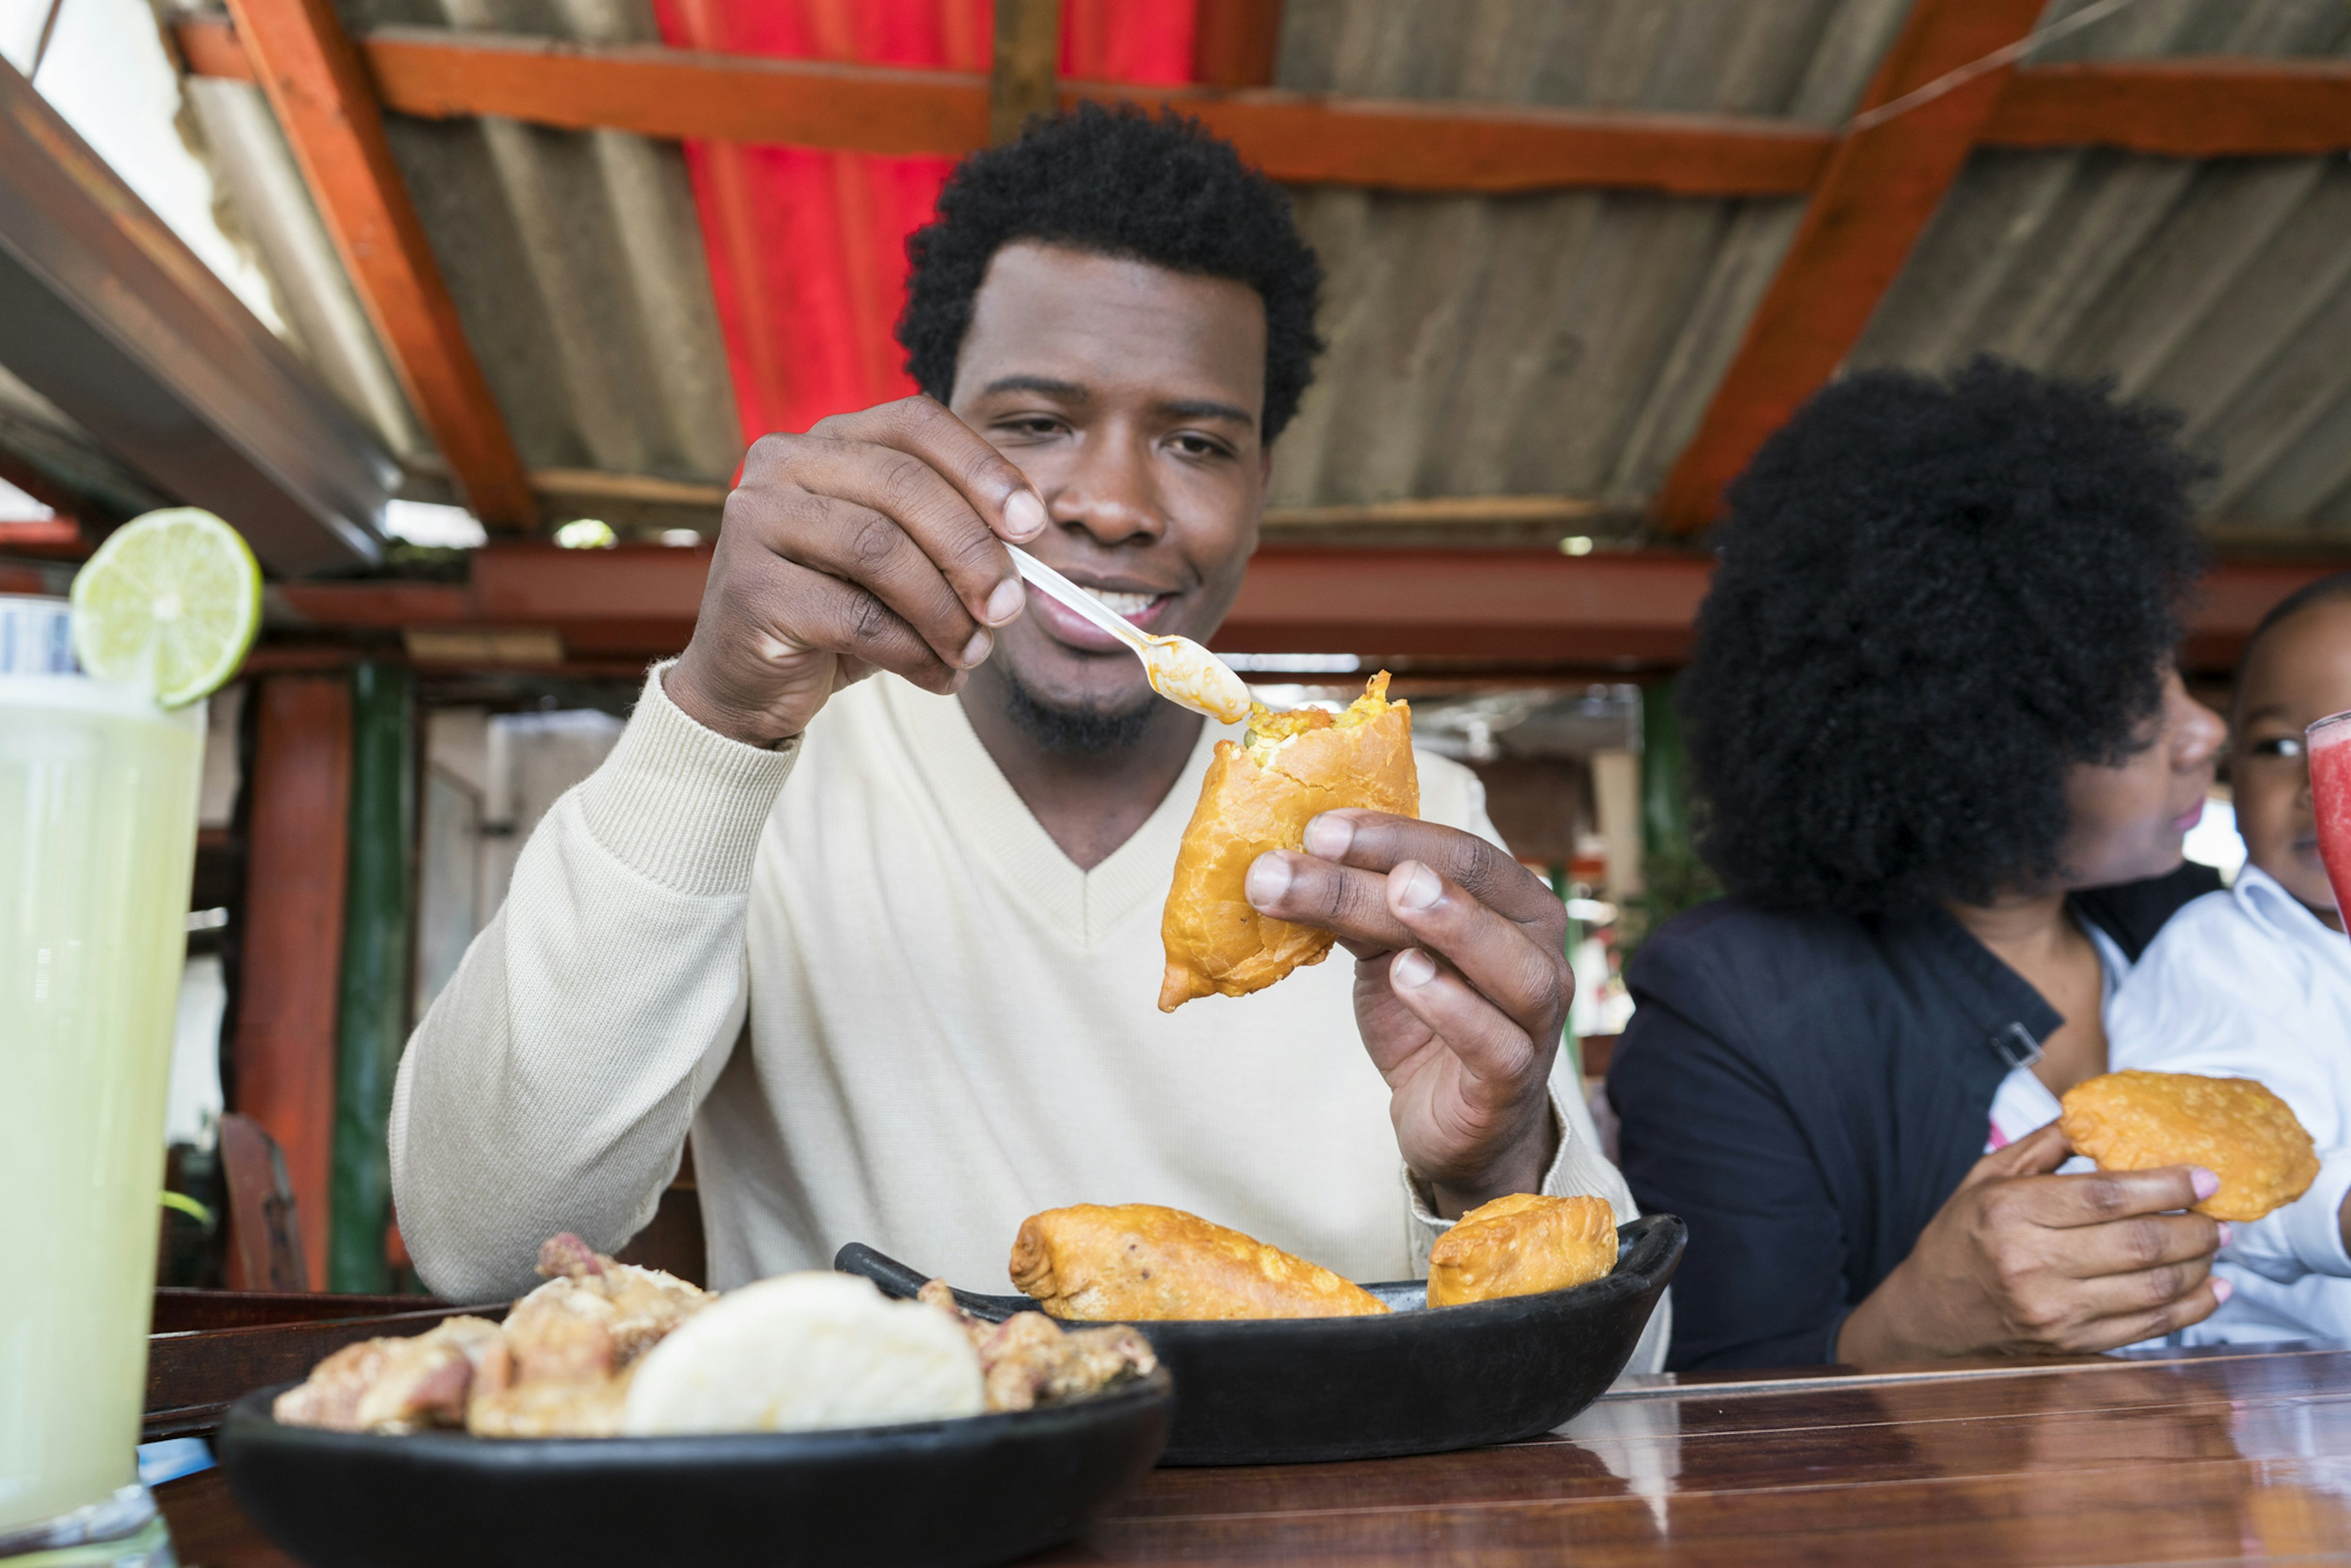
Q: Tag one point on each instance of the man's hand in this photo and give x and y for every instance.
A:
(2019, 1261)
(871, 543)
(1461, 987)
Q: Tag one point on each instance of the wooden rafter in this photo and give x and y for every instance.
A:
(1235, 42)
(1880, 188)
(319, 87)
(1020, 82)
(2184, 107)
(1300, 138)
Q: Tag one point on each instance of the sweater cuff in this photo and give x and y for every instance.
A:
(2313, 1223)
(1424, 1226)
(680, 804)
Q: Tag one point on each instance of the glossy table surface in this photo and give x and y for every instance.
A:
(2178, 1459)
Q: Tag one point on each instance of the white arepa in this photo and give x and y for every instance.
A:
(800, 1352)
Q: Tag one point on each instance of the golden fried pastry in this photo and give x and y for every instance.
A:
(1519, 1245)
(1139, 1262)
(1259, 796)
(2231, 1126)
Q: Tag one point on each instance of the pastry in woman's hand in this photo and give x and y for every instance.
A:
(1259, 796)
(1520, 1245)
(2233, 1128)
(1138, 1262)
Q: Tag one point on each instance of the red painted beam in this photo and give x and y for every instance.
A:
(2180, 108)
(1236, 43)
(284, 1053)
(638, 602)
(1881, 187)
(326, 106)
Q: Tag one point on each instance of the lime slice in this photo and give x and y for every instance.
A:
(170, 602)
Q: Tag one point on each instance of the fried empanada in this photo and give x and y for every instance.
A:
(2233, 1128)
(1520, 1246)
(1139, 1262)
(1259, 796)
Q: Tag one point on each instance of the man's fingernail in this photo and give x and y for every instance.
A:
(2223, 1290)
(1024, 514)
(1412, 970)
(1329, 836)
(1420, 888)
(2227, 1233)
(2205, 1183)
(976, 651)
(1269, 879)
(1006, 602)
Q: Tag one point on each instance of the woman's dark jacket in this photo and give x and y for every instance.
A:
(1806, 1090)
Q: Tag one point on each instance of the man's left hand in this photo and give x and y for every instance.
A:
(1461, 987)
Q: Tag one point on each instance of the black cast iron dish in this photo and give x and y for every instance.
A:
(1420, 1381)
(934, 1494)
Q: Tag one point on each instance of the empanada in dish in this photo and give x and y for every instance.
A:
(1138, 1262)
(1258, 795)
(2233, 1128)
(1520, 1246)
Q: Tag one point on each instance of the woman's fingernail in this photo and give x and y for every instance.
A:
(2205, 1183)
(1024, 514)
(1419, 888)
(2227, 1233)
(1006, 602)
(2223, 1290)
(1412, 970)
(976, 651)
(1269, 879)
(1329, 836)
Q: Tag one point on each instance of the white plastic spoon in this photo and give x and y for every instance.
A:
(1180, 670)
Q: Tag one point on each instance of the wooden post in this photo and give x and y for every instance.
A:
(296, 861)
(1028, 47)
(373, 1017)
(1237, 43)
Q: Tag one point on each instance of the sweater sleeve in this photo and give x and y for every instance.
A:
(1704, 1135)
(551, 1086)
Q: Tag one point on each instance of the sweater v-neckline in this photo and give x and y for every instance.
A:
(989, 814)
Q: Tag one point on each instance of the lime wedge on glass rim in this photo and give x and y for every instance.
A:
(169, 603)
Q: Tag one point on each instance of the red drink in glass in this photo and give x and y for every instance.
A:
(2329, 745)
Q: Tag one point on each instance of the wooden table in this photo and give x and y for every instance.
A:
(2176, 1458)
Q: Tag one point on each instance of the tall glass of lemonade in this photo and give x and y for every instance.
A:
(98, 824)
(99, 776)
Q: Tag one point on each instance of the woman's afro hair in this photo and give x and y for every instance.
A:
(1934, 598)
(1121, 183)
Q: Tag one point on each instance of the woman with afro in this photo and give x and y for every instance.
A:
(1944, 764)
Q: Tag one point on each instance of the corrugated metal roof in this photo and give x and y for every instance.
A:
(2220, 288)
(1563, 343)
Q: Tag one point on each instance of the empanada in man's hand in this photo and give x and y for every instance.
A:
(2233, 1128)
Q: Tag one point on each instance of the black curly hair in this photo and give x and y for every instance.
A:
(1124, 182)
(1934, 598)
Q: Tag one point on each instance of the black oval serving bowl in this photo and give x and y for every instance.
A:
(1417, 1381)
(934, 1494)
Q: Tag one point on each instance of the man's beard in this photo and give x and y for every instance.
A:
(1082, 731)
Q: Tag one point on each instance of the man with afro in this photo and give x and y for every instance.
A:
(888, 947)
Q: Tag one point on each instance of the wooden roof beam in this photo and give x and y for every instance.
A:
(326, 106)
(1299, 138)
(2210, 107)
(1881, 187)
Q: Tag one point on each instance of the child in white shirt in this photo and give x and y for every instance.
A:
(2255, 982)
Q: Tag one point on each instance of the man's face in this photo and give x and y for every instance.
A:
(1131, 396)
(2296, 675)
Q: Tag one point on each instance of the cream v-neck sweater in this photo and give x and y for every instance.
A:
(887, 1009)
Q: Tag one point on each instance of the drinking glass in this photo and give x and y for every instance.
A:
(2328, 746)
(98, 824)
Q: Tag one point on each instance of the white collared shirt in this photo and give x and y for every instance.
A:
(2250, 984)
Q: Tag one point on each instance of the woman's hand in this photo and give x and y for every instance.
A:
(2020, 1261)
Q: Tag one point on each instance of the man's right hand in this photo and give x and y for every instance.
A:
(2021, 1260)
(871, 543)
